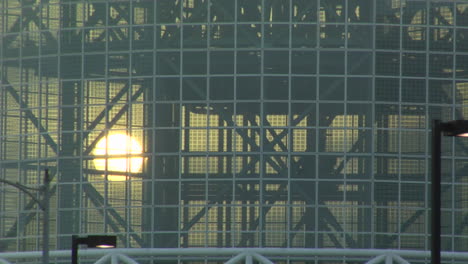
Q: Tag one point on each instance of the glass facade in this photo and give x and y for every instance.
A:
(233, 123)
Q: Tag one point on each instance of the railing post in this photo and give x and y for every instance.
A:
(114, 259)
(248, 259)
(388, 259)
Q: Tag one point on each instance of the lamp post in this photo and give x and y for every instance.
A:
(92, 241)
(43, 204)
(455, 128)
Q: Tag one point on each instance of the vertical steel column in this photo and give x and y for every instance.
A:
(70, 140)
(163, 192)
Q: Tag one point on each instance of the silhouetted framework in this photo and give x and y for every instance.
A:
(263, 123)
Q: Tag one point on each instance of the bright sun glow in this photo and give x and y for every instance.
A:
(120, 146)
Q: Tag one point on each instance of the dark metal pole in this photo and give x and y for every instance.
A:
(435, 193)
(45, 223)
(74, 253)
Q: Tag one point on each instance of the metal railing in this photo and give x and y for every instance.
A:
(237, 255)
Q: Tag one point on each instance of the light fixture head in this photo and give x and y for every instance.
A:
(105, 246)
(98, 241)
(455, 128)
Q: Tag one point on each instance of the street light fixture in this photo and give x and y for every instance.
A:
(92, 241)
(455, 128)
(43, 204)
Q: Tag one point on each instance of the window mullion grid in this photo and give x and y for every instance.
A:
(316, 206)
(129, 129)
(288, 207)
(399, 214)
(107, 195)
(154, 157)
(345, 128)
(455, 117)
(181, 135)
(208, 128)
(234, 206)
(262, 168)
(373, 130)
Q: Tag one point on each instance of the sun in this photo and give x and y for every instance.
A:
(123, 155)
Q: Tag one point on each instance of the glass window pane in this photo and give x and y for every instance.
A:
(195, 36)
(304, 36)
(303, 114)
(359, 89)
(276, 11)
(249, 10)
(303, 88)
(248, 61)
(360, 37)
(387, 89)
(359, 115)
(387, 63)
(442, 39)
(413, 90)
(167, 11)
(440, 91)
(303, 62)
(276, 88)
(332, 62)
(195, 11)
(222, 36)
(248, 88)
(194, 62)
(222, 10)
(304, 165)
(222, 62)
(332, 11)
(221, 88)
(387, 37)
(440, 65)
(276, 36)
(414, 38)
(461, 66)
(331, 88)
(360, 63)
(276, 62)
(361, 11)
(168, 37)
(304, 11)
(414, 64)
(249, 35)
(167, 89)
(194, 88)
(167, 63)
(332, 36)
(331, 114)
